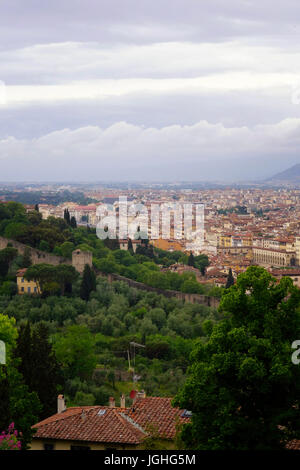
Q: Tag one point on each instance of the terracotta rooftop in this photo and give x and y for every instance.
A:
(21, 272)
(114, 425)
(90, 424)
(293, 445)
(158, 412)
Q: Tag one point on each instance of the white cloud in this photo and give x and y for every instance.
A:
(93, 152)
(80, 71)
(271, 84)
(158, 59)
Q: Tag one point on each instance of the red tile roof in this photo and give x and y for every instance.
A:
(114, 425)
(293, 445)
(90, 424)
(21, 272)
(158, 412)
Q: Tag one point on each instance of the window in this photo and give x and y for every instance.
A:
(48, 446)
(22, 280)
(35, 289)
(28, 290)
(22, 289)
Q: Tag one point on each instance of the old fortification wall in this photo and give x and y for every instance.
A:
(82, 258)
(37, 256)
(190, 298)
(79, 258)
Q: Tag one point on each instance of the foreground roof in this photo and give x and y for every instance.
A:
(90, 424)
(159, 413)
(293, 445)
(114, 425)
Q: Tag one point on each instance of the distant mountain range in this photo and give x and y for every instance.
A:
(289, 176)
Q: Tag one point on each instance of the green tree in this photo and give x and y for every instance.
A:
(19, 405)
(47, 376)
(242, 388)
(67, 249)
(24, 352)
(6, 257)
(88, 283)
(39, 366)
(111, 378)
(65, 275)
(43, 274)
(75, 350)
(230, 279)
(44, 246)
(67, 216)
(130, 247)
(73, 222)
(34, 218)
(14, 229)
(26, 258)
(191, 260)
(201, 262)
(192, 286)
(40, 273)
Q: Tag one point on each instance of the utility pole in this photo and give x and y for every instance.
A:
(135, 345)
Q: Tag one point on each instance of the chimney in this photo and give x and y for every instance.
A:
(61, 405)
(112, 402)
(122, 401)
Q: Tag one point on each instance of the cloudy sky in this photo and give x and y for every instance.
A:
(148, 90)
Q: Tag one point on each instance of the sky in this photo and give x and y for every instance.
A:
(144, 90)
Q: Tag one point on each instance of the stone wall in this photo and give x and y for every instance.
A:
(37, 256)
(190, 298)
(80, 259)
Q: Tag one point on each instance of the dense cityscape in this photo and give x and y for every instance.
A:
(242, 227)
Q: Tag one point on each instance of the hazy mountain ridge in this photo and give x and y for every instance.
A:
(291, 175)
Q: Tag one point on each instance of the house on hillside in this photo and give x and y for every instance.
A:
(24, 286)
(110, 427)
(135, 243)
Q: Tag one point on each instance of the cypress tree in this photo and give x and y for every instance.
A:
(230, 279)
(73, 222)
(39, 366)
(150, 251)
(67, 216)
(130, 247)
(88, 283)
(46, 375)
(191, 260)
(25, 353)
